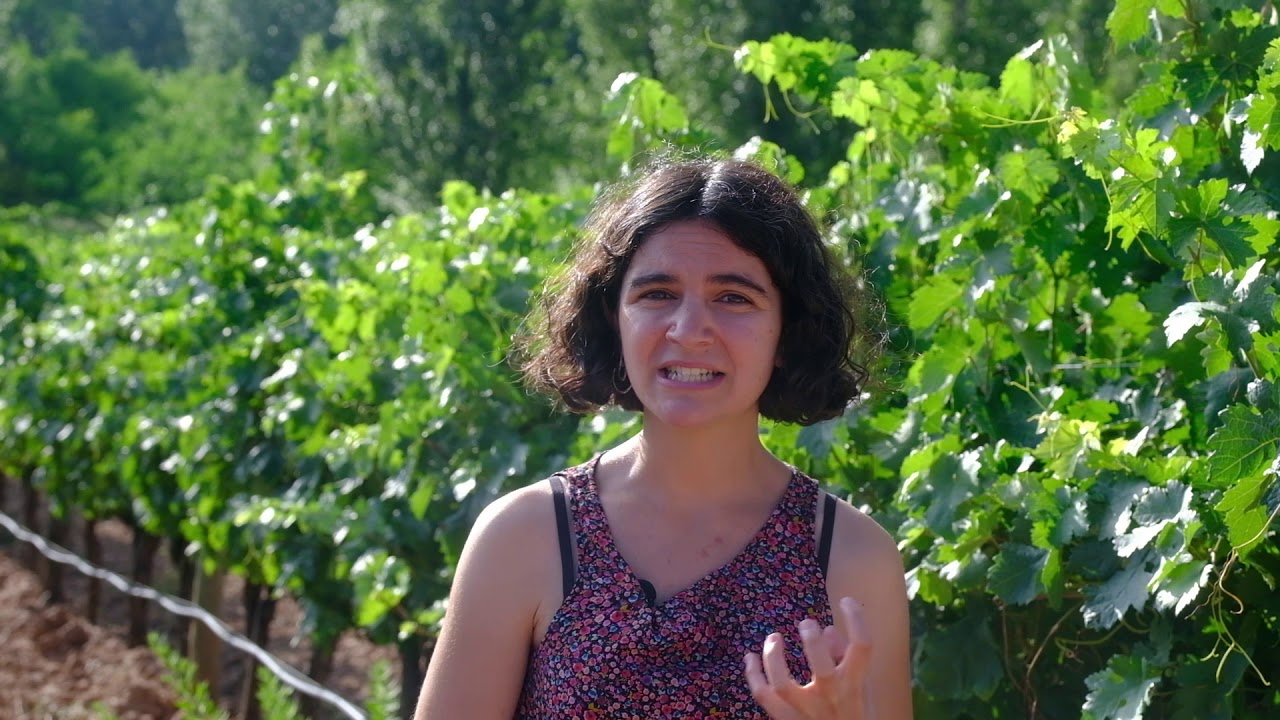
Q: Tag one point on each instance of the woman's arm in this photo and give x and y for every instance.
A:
(867, 566)
(506, 573)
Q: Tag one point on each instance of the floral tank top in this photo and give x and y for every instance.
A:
(611, 653)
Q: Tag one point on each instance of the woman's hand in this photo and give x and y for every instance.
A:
(838, 689)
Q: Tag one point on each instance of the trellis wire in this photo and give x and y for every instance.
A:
(287, 673)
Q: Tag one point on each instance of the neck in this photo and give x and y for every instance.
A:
(699, 467)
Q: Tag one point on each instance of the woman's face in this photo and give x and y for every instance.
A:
(699, 320)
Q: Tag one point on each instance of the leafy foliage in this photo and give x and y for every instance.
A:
(1077, 449)
(194, 700)
(59, 115)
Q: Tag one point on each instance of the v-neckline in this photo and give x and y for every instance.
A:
(611, 545)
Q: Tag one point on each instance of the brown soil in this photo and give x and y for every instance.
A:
(55, 665)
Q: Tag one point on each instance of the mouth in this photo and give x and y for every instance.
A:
(689, 375)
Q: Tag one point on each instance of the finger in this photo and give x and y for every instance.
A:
(858, 648)
(836, 644)
(775, 665)
(763, 693)
(756, 680)
(817, 650)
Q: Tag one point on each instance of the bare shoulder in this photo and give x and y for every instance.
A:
(504, 578)
(513, 545)
(527, 509)
(861, 546)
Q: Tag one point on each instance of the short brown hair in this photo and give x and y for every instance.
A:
(574, 352)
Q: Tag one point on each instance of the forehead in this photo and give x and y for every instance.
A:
(694, 245)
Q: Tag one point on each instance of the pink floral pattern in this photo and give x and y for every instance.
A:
(609, 654)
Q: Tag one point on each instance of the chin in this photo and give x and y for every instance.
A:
(694, 418)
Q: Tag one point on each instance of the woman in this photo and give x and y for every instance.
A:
(686, 572)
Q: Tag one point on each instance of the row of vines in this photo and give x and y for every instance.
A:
(1077, 447)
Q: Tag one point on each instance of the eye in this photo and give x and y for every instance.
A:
(656, 294)
(735, 299)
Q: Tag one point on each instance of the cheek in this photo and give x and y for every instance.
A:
(633, 330)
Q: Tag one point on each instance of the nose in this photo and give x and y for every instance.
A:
(690, 324)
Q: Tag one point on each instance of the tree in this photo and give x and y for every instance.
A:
(489, 91)
(194, 126)
(981, 35)
(150, 29)
(59, 117)
(263, 35)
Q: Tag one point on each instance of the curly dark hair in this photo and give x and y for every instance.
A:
(574, 351)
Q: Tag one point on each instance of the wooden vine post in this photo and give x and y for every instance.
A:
(319, 669)
(51, 572)
(144, 553)
(205, 647)
(92, 553)
(30, 512)
(259, 610)
(186, 586)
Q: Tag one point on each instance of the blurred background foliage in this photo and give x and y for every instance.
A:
(261, 263)
(112, 105)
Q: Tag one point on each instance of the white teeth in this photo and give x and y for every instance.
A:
(689, 374)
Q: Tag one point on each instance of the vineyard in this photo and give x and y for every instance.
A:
(1075, 440)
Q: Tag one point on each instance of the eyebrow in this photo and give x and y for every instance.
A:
(661, 278)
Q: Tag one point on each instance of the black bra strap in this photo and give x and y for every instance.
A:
(828, 526)
(563, 530)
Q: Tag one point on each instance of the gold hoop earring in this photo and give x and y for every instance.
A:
(620, 376)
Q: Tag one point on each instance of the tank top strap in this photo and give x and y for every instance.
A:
(590, 524)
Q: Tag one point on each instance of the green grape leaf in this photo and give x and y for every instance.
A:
(1160, 505)
(1017, 85)
(933, 375)
(1264, 123)
(1181, 583)
(949, 482)
(428, 277)
(1232, 238)
(1060, 517)
(381, 584)
(1242, 445)
(1030, 172)
(1016, 575)
(1203, 687)
(855, 98)
(1107, 603)
(1265, 231)
(1248, 515)
(818, 439)
(458, 300)
(460, 198)
(1067, 443)
(924, 457)
(930, 586)
(1264, 106)
(971, 638)
(1130, 20)
(1187, 316)
(420, 499)
(939, 294)
(1121, 690)
(1155, 510)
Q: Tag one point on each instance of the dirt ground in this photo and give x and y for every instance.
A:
(55, 665)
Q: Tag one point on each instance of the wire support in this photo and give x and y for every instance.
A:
(288, 674)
